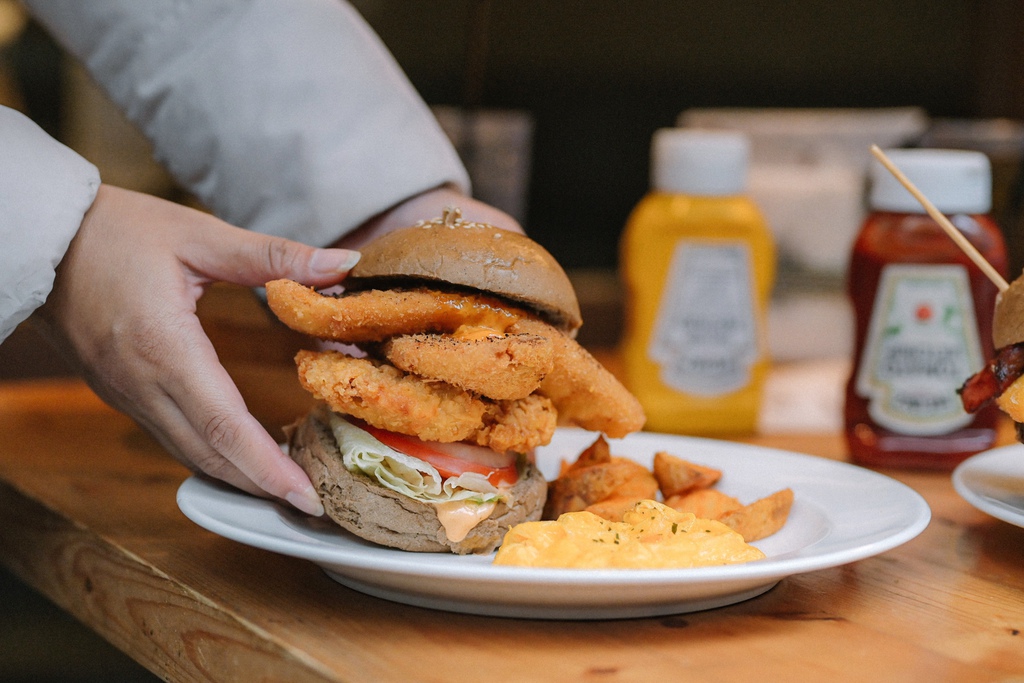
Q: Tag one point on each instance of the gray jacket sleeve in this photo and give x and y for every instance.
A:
(284, 116)
(45, 190)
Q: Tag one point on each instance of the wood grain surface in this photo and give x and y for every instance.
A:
(88, 517)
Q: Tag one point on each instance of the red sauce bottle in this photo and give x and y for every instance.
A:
(923, 314)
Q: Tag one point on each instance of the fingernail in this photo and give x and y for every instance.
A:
(331, 261)
(307, 501)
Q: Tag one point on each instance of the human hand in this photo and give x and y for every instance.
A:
(123, 310)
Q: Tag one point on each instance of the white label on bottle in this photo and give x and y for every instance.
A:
(922, 343)
(705, 337)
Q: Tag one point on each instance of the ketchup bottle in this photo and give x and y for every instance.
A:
(923, 314)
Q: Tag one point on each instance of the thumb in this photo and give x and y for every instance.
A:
(252, 259)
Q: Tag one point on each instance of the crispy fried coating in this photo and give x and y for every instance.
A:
(526, 356)
(389, 399)
(501, 367)
(518, 425)
(374, 315)
(583, 391)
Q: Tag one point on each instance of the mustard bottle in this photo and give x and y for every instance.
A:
(698, 262)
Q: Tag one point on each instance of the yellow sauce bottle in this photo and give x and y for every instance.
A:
(698, 263)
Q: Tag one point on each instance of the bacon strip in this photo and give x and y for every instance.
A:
(996, 377)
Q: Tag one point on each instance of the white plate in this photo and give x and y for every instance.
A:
(841, 514)
(993, 482)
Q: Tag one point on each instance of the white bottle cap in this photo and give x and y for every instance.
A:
(699, 162)
(955, 181)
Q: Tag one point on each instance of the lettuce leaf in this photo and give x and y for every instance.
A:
(410, 476)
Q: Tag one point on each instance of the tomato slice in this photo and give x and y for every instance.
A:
(499, 469)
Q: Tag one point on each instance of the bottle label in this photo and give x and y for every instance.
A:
(922, 344)
(705, 337)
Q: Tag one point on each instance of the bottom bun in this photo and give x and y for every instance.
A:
(378, 514)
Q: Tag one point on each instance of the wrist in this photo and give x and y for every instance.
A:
(427, 206)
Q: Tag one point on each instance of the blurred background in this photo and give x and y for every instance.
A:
(552, 106)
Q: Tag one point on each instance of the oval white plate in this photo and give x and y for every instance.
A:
(841, 514)
(993, 482)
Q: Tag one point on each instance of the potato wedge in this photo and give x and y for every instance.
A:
(640, 485)
(705, 503)
(762, 518)
(608, 486)
(594, 454)
(676, 476)
(585, 486)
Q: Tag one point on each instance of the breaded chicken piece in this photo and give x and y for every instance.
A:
(500, 367)
(374, 315)
(518, 425)
(583, 391)
(387, 398)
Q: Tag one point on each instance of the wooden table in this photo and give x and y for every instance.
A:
(88, 517)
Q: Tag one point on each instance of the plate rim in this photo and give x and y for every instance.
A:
(396, 561)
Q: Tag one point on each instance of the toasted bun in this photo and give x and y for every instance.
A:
(377, 514)
(1008, 319)
(474, 255)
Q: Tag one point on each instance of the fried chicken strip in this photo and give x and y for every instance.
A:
(387, 398)
(583, 391)
(518, 425)
(374, 315)
(501, 367)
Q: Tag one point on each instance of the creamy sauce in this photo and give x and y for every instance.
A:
(460, 517)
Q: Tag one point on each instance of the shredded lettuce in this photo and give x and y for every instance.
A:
(419, 480)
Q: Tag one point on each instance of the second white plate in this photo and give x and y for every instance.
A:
(993, 482)
(841, 514)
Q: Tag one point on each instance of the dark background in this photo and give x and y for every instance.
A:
(600, 76)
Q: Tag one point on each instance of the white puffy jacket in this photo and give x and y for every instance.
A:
(287, 117)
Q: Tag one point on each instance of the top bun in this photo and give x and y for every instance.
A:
(474, 255)
(1008, 319)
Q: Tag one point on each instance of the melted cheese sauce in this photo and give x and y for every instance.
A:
(460, 517)
(651, 536)
(476, 332)
(456, 310)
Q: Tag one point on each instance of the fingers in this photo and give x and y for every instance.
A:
(221, 434)
(263, 462)
(188, 401)
(231, 445)
(123, 306)
(251, 259)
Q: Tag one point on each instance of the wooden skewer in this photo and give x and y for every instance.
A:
(950, 229)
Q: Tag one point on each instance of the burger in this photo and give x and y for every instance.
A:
(452, 357)
(1001, 378)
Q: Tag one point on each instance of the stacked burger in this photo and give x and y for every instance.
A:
(459, 360)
